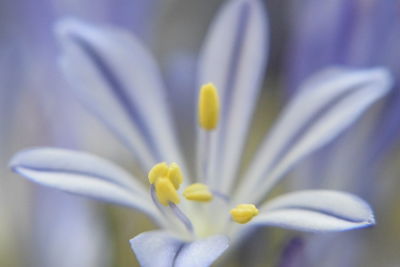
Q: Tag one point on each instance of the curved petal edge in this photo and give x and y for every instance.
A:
(162, 249)
(317, 211)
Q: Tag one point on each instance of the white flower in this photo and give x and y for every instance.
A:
(116, 78)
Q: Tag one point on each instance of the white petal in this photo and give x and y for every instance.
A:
(82, 174)
(116, 77)
(233, 58)
(316, 211)
(321, 111)
(203, 252)
(161, 249)
(156, 248)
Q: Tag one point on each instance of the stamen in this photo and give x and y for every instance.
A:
(166, 192)
(155, 201)
(204, 155)
(175, 211)
(208, 115)
(244, 213)
(175, 175)
(159, 170)
(208, 107)
(182, 217)
(198, 192)
(166, 180)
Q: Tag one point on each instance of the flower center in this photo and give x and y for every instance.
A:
(166, 179)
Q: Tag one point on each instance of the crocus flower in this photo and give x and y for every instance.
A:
(118, 80)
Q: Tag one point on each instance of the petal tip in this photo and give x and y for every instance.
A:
(371, 221)
(21, 158)
(66, 24)
(17, 159)
(69, 26)
(383, 76)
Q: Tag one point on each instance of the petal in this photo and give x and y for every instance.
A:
(118, 80)
(82, 174)
(316, 211)
(156, 248)
(203, 252)
(233, 58)
(161, 249)
(181, 88)
(325, 107)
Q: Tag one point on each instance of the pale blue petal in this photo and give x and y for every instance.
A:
(161, 249)
(203, 252)
(316, 211)
(82, 174)
(118, 80)
(233, 58)
(183, 87)
(156, 248)
(322, 109)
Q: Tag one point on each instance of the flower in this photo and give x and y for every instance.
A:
(116, 78)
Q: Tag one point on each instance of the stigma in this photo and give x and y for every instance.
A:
(208, 108)
(166, 181)
(244, 213)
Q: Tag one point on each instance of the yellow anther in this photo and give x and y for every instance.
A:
(208, 107)
(166, 180)
(166, 191)
(198, 192)
(243, 213)
(159, 170)
(175, 175)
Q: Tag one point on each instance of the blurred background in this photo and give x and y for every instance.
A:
(40, 227)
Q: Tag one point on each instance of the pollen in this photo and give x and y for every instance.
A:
(208, 107)
(244, 213)
(175, 175)
(198, 192)
(166, 192)
(166, 180)
(159, 170)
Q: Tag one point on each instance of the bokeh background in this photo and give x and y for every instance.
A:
(40, 227)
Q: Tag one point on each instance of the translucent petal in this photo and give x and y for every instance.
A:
(161, 249)
(319, 113)
(233, 58)
(316, 211)
(82, 174)
(116, 77)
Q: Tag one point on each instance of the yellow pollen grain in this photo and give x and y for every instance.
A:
(166, 192)
(244, 213)
(208, 108)
(159, 170)
(175, 175)
(166, 180)
(198, 192)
